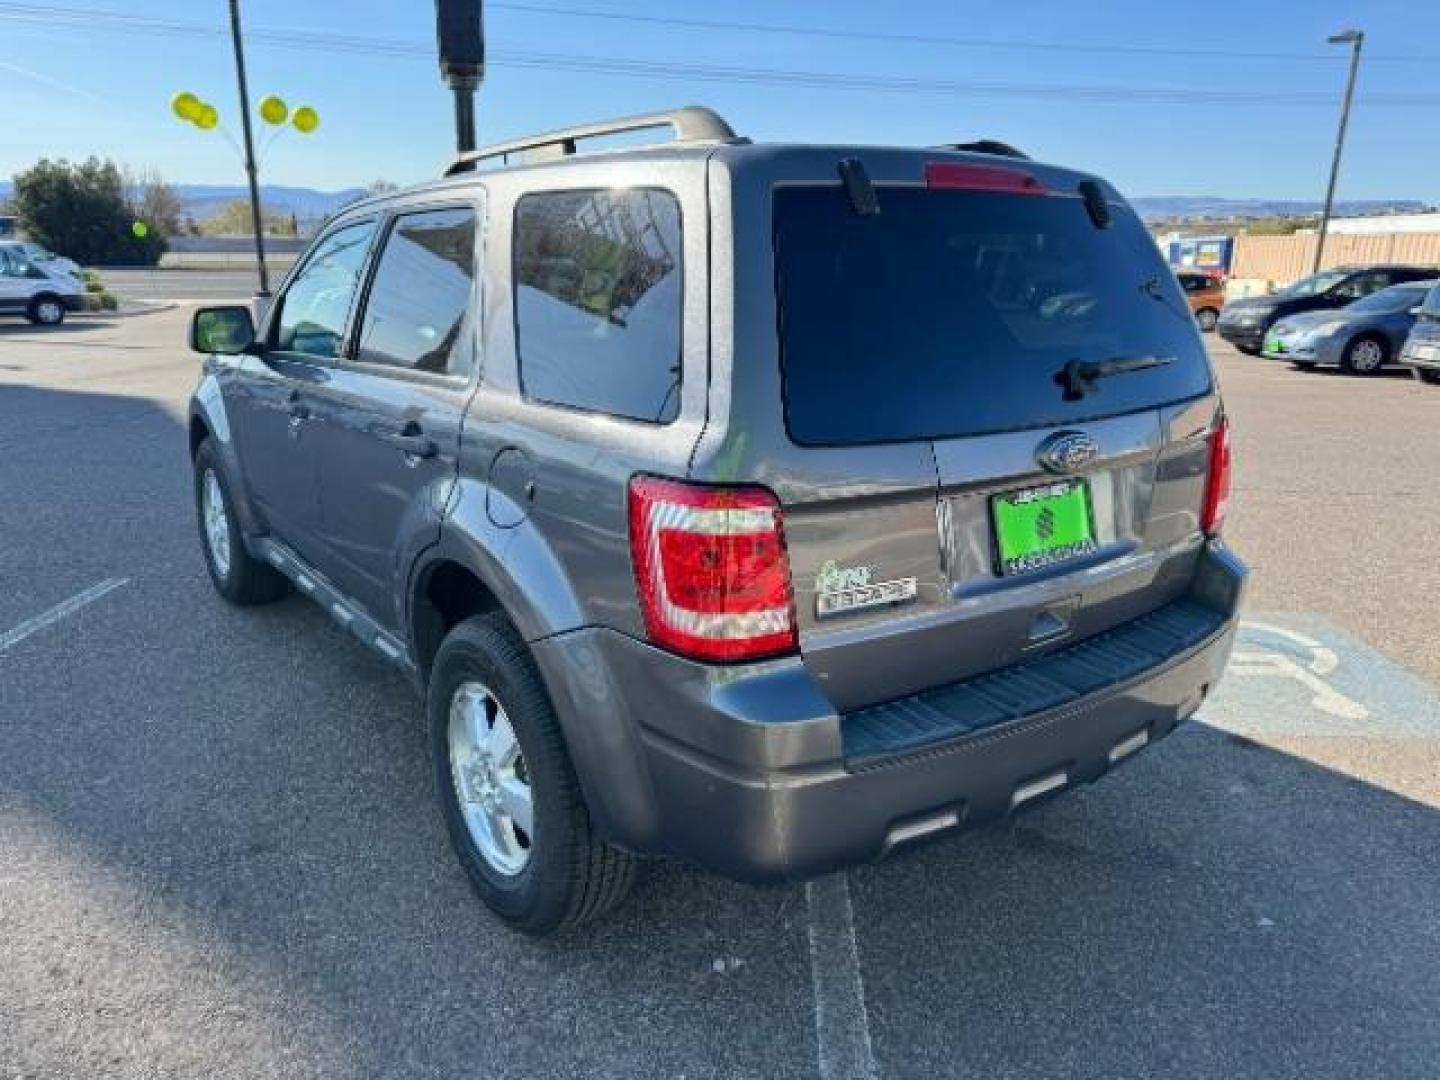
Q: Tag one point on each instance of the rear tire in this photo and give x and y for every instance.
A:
(1206, 318)
(240, 579)
(1248, 350)
(1365, 355)
(557, 872)
(46, 310)
(1424, 376)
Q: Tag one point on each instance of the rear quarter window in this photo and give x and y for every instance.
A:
(598, 282)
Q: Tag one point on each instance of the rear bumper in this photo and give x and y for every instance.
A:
(750, 773)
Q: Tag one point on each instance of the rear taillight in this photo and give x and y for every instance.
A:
(710, 564)
(1217, 484)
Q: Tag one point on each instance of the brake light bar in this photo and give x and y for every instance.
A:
(1217, 482)
(957, 175)
(711, 569)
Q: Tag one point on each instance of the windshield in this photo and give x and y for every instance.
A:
(1395, 298)
(1315, 284)
(953, 312)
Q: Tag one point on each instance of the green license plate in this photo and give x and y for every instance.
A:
(1274, 344)
(1038, 527)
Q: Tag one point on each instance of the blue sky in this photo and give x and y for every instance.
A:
(73, 83)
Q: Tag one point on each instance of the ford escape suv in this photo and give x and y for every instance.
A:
(765, 507)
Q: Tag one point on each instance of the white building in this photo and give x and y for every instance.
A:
(1388, 223)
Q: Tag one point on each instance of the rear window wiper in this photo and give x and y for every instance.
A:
(1078, 377)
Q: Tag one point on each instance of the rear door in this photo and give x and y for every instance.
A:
(1043, 355)
(390, 412)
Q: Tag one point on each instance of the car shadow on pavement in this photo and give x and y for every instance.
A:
(223, 856)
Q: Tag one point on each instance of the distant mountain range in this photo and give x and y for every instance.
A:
(309, 205)
(1152, 207)
(203, 200)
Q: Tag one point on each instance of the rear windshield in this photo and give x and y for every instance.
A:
(953, 312)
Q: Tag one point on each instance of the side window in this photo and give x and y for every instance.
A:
(420, 293)
(1362, 285)
(314, 308)
(597, 301)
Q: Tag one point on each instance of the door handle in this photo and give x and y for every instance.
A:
(412, 442)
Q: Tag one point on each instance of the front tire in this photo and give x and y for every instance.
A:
(240, 579)
(46, 310)
(1365, 355)
(508, 791)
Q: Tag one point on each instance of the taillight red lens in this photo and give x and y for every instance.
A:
(711, 568)
(1217, 484)
(957, 175)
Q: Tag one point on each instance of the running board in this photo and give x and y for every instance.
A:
(339, 606)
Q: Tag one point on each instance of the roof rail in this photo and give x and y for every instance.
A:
(694, 123)
(987, 146)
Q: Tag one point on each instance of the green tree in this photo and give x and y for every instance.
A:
(81, 211)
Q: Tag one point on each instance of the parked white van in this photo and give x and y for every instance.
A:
(34, 290)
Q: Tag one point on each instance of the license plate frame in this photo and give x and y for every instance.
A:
(1018, 533)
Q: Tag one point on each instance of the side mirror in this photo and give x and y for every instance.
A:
(228, 331)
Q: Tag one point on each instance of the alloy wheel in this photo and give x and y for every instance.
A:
(491, 780)
(215, 521)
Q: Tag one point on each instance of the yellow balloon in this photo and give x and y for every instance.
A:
(206, 117)
(305, 119)
(273, 110)
(184, 105)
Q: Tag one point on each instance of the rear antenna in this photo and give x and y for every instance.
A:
(857, 185)
(1096, 204)
(460, 34)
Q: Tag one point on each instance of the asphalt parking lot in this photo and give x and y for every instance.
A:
(219, 856)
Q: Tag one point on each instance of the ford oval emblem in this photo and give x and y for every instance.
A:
(1067, 452)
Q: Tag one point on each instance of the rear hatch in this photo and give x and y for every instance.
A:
(1015, 401)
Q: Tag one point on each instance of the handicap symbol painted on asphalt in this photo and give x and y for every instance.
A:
(1302, 675)
(1252, 658)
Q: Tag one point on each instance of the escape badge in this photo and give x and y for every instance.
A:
(839, 590)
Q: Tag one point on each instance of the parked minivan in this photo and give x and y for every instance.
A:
(767, 507)
(34, 290)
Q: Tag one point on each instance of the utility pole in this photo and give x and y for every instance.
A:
(1355, 39)
(461, 36)
(255, 211)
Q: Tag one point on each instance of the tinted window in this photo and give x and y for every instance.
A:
(315, 306)
(953, 313)
(420, 292)
(1363, 284)
(597, 301)
(1315, 284)
(1395, 298)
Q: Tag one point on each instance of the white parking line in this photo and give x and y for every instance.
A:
(59, 611)
(842, 1028)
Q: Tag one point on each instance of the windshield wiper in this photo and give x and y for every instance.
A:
(1078, 377)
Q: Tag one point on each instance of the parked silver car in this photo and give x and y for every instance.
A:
(1361, 337)
(763, 506)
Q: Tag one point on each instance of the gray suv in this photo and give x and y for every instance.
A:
(766, 507)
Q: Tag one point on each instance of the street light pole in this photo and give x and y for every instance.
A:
(1355, 39)
(255, 212)
(460, 34)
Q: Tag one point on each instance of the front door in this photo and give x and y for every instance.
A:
(272, 404)
(390, 413)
